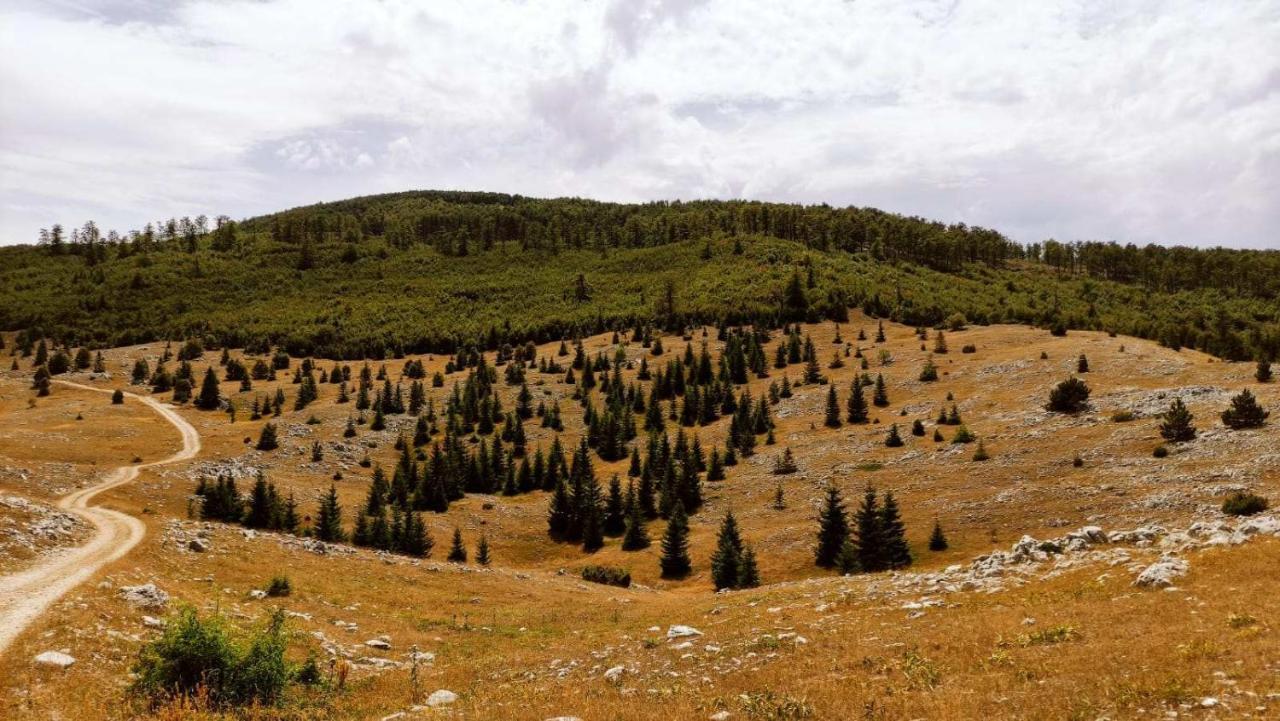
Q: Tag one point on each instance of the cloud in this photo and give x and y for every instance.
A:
(1152, 121)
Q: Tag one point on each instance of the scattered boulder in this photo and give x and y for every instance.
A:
(198, 545)
(442, 697)
(55, 659)
(678, 631)
(145, 596)
(1162, 573)
(381, 644)
(614, 674)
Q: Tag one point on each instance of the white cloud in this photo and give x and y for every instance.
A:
(1150, 121)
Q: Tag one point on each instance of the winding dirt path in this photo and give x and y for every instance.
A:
(25, 595)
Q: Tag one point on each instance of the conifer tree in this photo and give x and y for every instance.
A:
(482, 551)
(615, 520)
(917, 428)
(635, 537)
(894, 439)
(980, 453)
(779, 499)
(857, 403)
(328, 526)
(1244, 412)
(727, 560)
(675, 544)
(896, 553)
(117, 397)
(748, 572)
(1177, 426)
(457, 550)
(1069, 396)
(869, 523)
(881, 396)
(1263, 373)
(939, 343)
(833, 408)
(1082, 364)
(833, 529)
(937, 541)
(560, 513)
(929, 372)
(267, 438)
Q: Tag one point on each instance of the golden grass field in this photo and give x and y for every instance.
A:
(519, 640)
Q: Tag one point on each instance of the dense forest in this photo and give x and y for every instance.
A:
(434, 271)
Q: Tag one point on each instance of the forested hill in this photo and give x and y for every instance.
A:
(428, 270)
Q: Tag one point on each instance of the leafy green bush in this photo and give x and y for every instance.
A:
(279, 586)
(608, 575)
(1244, 504)
(198, 655)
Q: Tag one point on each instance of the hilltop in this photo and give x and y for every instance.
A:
(430, 271)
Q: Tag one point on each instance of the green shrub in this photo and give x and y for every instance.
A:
(1244, 504)
(200, 654)
(279, 587)
(1069, 396)
(1160, 452)
(1122, 416)
(608, 575)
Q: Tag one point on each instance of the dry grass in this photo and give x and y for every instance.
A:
(501, 636)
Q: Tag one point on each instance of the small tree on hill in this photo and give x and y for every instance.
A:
(894, 534)
(267, 439)
(1177, 426)
(833, 529)
(209, 394)
(482, 551)
(329, 518)
(457, 550)
(117, 398)
(894, 439)
(1244, 412)
(1082, 364)
(929, 372)
(675, 544)
(1069, 396)
(857, 403)
(727, 559)
(1263, 373)
(833, 408)
(937, 541)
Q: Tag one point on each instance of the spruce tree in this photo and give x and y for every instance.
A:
(267, 439)
(482, 551)
(881, 396)
(1263, 373)
(635, 537)
(615, 520)
(847, 562)
(328, 526)
(870, 533)
(896, 552)
(894, 439)
(117, 397)
(937, 541)
(833, 529)
(457, 551)
(1244, 412)
(727, 558)
(929, 372)
(675, 544)
(833, 408)
(1177, 426)
(748, 572)
(857, 403)
(209, 394)
(1082, 364)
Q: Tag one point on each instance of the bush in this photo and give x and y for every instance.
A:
(1160, 452)
(199, 655)
(1122, 416)
(1244, 504)
(969, 348)
(1069, 396)
(279, 587)
(608, 575)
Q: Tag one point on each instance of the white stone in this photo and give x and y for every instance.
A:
(679, 631)
(378, 643)
(441, 698)
(54, 659)
(1162, 573)
(145, 596)
(614, 674)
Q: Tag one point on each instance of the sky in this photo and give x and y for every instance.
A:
(1143, 121)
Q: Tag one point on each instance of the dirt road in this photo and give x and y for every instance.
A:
(25, 595)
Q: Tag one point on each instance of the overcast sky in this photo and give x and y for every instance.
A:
(1133, 121)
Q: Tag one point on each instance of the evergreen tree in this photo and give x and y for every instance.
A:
(896, 553)
(847, 561)
(675, 544)
(881, 396)
(833, 408)
(894, 439)
(117, 397)
(748, 572)
(937, 541)
(635, 537)
(929, 372)
(615, 519)
(833, 529)
(870, 533)
(328, 526)
(857, 403)
(1069, 396)
(1082, 364)
(267, 439)
(457, 550)
(482, 551)
(560, 513)
(1244, 412)
(727, 560)
(1177, 426)
(917, 428)
(1263, 373)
